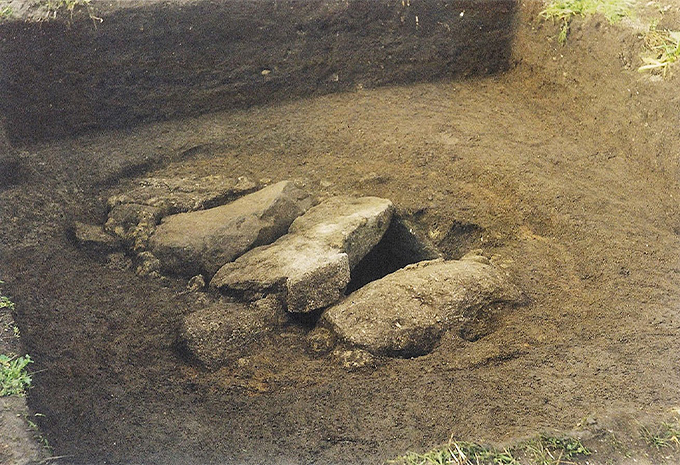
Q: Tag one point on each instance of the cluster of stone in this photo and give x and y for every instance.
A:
(272, 253)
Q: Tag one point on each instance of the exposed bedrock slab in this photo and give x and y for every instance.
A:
(224, 332)
(203, 241)
(406, 312)
(183, 194)
(311, 265)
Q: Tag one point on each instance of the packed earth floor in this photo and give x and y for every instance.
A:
(564, 171)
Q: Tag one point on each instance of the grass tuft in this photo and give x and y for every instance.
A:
(69, 5)
(666, 435)
(459, 453)
(6, 12)
(552, 450)
(53, 7)
(14, 379)
(563, 11)
(540, 450)
(664, 50)
(5, 302)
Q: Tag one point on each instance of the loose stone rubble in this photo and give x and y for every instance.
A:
(133, 224)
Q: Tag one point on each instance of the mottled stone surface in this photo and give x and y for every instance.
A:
(311, 265)
(203, 241)
(173, 195)
(406, 312)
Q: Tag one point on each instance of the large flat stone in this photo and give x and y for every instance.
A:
(406, 312)
(203, 241)
(348, 224)
(309, 274)
(311, 265)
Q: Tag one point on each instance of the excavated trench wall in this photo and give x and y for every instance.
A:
(152, 60)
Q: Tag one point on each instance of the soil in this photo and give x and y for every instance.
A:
(156, 60)
(564, 170)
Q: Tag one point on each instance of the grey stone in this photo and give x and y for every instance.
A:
(182, 194)
(196, 283)
(406, 312)
(203, 241)
(93, 237)
(148, 265)
(311, 265)
(308, 275)
(354, 358)
(347, 224)
(225, 332)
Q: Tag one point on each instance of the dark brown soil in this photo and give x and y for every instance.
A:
(564, 170)
(156, 60)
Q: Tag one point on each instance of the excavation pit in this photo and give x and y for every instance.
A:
(562, 158)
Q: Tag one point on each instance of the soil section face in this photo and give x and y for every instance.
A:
(150, 61)
(563, 170)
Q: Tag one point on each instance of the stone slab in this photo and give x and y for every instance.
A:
(312, 264)
(203, 241)
(406, 312)
(172, 195)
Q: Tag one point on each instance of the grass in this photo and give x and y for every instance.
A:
(14, 379)
(540, 450)
(663, 46)
(69, 5)
(459, 453)
(38, 436)
(6, 12)
(552, 450)
(664, 49)
(5, 302)
(53, 7)
(665, 435)
(563, 11)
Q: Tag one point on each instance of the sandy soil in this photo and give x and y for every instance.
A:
(564, 170)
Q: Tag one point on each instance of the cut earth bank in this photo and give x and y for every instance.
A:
(563, 171)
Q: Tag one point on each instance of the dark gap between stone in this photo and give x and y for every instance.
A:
(398, 248)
